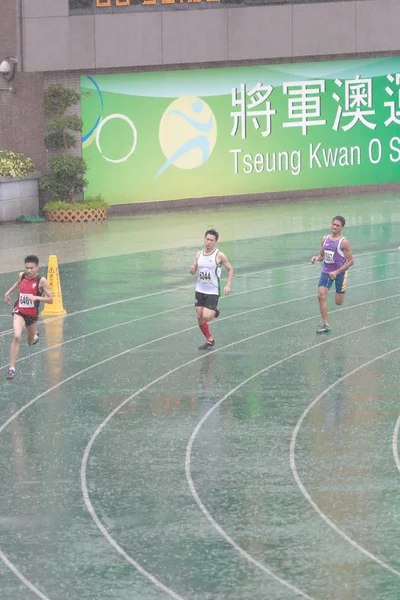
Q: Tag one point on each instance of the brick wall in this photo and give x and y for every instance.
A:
(21, 112)
(8, 28)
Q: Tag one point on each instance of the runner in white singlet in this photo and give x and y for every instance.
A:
(207, 265)
(208, 273)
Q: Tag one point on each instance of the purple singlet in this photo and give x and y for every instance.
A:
(333, 255)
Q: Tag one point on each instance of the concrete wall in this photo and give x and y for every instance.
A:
(18, 197)
(8, 28)
(53, 41)
(52, 46)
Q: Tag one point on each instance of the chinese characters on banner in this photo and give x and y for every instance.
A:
(355, 100)
(243, 130)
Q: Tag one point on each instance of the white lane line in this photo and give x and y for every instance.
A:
(2, 334)
(299, 481)
(134, 298)
(24, 580)
(81, 337)
(189, 478)
(395, 444)
(260, 289)
(85, 458)
(86, 310)
(114, 543)
(164, 337)
(70, 378)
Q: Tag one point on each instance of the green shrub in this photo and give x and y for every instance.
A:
(58, 98)
(14, 164)
(94, 202)
(56, 141)
(59, 136)
(66, 179)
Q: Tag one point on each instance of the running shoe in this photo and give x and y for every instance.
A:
(36, 338)
(207, 345)
(324, 329)
(11, 373)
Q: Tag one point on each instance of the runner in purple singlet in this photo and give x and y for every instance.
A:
(337, 257)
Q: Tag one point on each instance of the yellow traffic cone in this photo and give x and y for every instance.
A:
(53, 277)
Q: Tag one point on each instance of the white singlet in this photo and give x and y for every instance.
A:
(208, 274)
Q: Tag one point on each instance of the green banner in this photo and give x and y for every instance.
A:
(242, 130)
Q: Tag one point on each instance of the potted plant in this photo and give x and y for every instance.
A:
(93, 209)
(65, 183)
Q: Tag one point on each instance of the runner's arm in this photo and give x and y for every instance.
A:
(224, 261)
(7, 296)
(348, 256)
(320, 256)
(193, 267)
(48, 297)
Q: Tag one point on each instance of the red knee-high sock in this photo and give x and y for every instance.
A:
(205, 330)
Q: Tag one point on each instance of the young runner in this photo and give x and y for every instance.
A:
(207, 265)
(26, 309)
(337, 257)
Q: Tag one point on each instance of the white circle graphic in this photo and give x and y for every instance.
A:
(100, 127)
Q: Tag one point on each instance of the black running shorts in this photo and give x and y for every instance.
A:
(209, 301)
(28, 320)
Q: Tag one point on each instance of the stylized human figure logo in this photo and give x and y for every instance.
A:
(188, 133)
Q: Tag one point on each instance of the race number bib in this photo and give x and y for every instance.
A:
(205, 276)
(328, 257)
(25, 301)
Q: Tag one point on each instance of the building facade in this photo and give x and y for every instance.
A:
(62, 40)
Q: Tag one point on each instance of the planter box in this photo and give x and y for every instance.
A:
(76, 216)
(19, 197)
